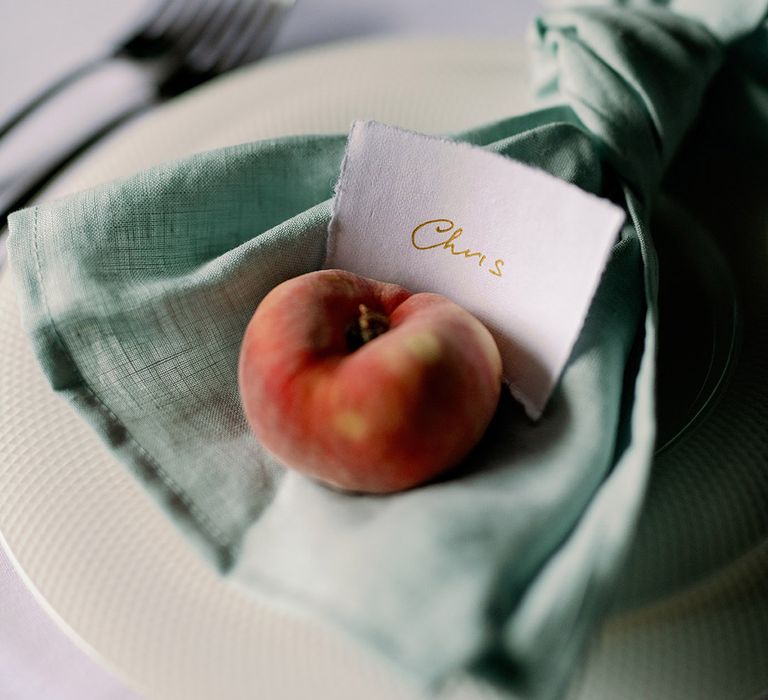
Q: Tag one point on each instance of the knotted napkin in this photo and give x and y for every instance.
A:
(136, 295)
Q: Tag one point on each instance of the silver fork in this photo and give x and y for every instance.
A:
(181, 44)
(173, 26)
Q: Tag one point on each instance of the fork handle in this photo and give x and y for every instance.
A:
(38, 147)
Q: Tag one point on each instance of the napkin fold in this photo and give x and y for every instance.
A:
(136, 295)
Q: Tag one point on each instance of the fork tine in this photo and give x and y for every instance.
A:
(200, 26)
(195, 63)
(244, 39)
(275, 15)
(188, 23)
(148, 37)
(166, 11)
(161, 31)
(203, 55)
(251, 45)
(252, 12)
(234, 32)
(263, 38)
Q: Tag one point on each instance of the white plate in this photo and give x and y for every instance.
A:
(115, 573)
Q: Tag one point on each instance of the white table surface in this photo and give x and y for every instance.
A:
(40, 39)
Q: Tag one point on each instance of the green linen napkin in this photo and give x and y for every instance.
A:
(136, 295)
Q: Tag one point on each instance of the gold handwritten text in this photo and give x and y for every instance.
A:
(447, 235)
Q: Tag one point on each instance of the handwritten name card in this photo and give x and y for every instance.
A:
(517, 247)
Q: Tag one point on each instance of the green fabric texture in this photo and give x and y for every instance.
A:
(136, 295)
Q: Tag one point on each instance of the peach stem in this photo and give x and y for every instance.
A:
(367, 326)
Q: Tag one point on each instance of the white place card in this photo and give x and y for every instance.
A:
(520, 249)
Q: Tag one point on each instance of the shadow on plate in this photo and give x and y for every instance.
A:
(699, 323)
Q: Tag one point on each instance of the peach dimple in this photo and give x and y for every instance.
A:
(356, 382)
